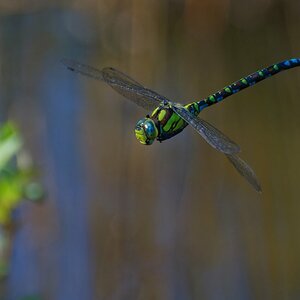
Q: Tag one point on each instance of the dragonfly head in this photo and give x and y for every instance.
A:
(146, 131)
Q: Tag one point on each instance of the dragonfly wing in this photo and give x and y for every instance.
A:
(120, 82)
(245, 170)
(113, 73)
(82, 69)
(211, 134)
(131, 89)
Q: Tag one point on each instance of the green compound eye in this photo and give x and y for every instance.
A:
(146, 131)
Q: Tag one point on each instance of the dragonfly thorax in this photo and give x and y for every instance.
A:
(146, 131)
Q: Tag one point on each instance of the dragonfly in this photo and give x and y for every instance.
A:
(169, 118)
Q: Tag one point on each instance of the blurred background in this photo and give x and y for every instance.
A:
(170, 221)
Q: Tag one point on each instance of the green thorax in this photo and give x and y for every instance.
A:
(168, 122)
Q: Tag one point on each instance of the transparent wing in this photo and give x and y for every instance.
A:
(132, 90)
(116, 74)
(212, 135)
(245, 170)
(120, 82)
(82, 69)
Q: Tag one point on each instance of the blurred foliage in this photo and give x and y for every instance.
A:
(16, 173)
(34, 297)
(16, 185)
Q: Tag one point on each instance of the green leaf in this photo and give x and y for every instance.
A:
(10, 143)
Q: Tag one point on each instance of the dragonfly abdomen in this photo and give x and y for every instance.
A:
(247, 81)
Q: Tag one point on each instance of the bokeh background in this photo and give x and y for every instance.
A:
(170, 221)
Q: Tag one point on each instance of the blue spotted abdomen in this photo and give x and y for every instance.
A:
(247, 81)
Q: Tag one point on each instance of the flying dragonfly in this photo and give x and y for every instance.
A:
(169, 118)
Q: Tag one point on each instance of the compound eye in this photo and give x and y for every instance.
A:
(146, 131)
(139, 124)
(150, 129)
